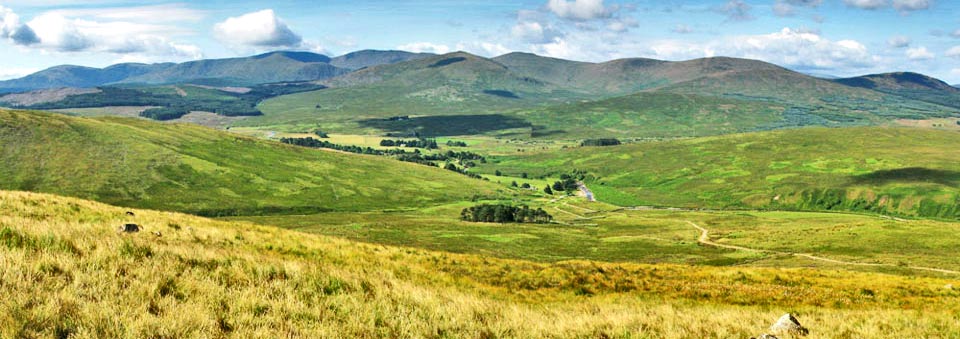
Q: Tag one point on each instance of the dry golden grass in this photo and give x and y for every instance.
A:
(65, 271)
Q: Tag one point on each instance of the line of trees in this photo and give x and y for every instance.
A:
(503, 213)
(600, 142)
(415, 157)
(418, 143)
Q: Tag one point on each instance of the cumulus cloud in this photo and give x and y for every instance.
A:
(535, 32)
(257, 29)
(58, 31)
(54, 32)
(425, 47)
(737, 10)
(866, 4)
(899, 41)
(919, 53)
(11, 28)
(623, 25)
(953, 52)
(580, 9)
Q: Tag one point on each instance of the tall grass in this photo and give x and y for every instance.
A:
(205, 278)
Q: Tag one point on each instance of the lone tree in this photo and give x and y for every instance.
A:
(547, 190)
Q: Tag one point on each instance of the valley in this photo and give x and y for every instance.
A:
(332, 197)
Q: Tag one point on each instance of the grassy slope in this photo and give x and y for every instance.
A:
(653, 114)
(887, 170)
(139, 163)
(66, 272)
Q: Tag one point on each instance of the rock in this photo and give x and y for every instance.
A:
(157, 233)
(766, 336)
(130, 228)
(130, 213)
(788, 325)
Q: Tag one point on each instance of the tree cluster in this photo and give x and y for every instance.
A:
(600, 142)
(502, 213)
(453, 143)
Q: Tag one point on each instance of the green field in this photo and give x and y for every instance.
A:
(140, 163)
(900, 171)
(599, 232)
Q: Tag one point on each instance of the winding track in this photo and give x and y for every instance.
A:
(704, 239)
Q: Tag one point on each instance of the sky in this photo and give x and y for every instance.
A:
(822, 37)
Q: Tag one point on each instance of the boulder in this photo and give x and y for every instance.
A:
(788, 325)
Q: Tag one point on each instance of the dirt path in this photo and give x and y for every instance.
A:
(705, 240)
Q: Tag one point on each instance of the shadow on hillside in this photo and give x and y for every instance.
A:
(909, 175)
(447, 125)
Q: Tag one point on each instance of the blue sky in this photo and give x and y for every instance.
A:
(830, 37)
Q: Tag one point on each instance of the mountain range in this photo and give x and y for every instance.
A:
(532, 95)
(281, 66)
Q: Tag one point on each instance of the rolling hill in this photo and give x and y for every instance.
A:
(179, 167)
(886, 170)
(369, 58)
(909, 85)
(258, 69)
(77, 76)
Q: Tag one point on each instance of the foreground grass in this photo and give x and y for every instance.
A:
(66, 272)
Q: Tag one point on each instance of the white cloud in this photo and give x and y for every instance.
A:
(911, 5)
(899, 41)
(61, 34)
(919, 53)
(534, 32)
(955, 34)
(580, 9)
(797, 49)
(425, 47)
(257, 29)
(11, 28)
(622, 25)
(953, 52)
(487, 49)
(866, 4)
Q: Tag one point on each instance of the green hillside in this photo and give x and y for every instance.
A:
(139, 163)
(653, 114)
(909, 85)
(452, 84)
(901, 171)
